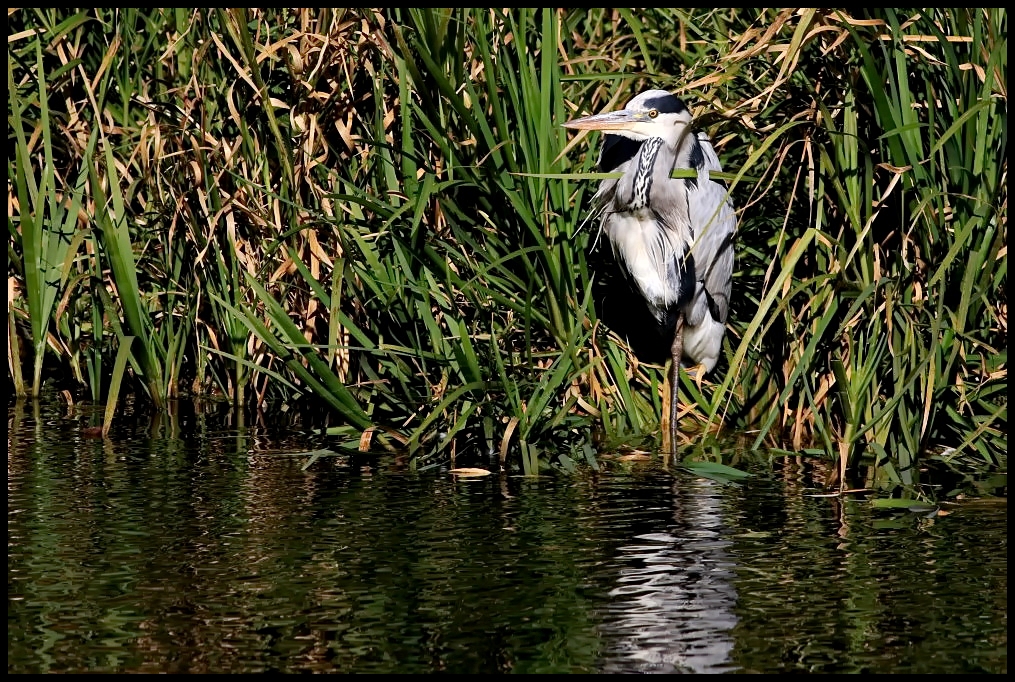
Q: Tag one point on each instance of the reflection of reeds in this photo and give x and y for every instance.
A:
(380, 210)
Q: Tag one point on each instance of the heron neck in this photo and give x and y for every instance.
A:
(643, 176)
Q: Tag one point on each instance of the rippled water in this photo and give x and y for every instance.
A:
(185, 547)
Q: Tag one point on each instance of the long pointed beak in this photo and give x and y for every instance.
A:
(612, 120)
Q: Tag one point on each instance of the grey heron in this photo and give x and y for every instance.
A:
(673, 237)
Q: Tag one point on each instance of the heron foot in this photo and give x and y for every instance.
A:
(696, 373)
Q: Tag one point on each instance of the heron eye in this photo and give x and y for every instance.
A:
(653, 113)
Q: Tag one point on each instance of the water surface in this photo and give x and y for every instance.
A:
(190, 545)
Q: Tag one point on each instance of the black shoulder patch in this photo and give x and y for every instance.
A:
(666, 104)
(687, 280)
(713, 307)
(616, 150)
(697, 158)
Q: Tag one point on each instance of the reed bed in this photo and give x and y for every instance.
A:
(376, 214)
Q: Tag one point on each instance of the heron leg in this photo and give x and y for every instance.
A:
(676, 351)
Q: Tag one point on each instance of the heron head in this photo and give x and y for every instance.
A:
(653, 113)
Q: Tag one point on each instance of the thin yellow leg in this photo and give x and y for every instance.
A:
(676, 351)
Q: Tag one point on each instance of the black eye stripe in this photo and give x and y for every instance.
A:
(666, 105)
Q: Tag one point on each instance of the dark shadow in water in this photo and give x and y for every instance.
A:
(184, 546)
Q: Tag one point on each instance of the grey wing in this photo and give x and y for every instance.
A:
(715, 223)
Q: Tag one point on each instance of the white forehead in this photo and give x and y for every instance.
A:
(640, 99)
